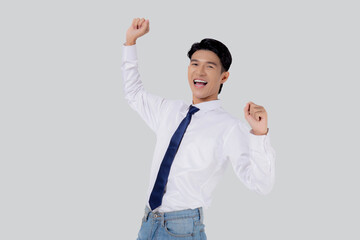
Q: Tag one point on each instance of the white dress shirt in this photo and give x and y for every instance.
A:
(213, 139)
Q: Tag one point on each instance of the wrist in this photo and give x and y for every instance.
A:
(130, 42)
(260, 133)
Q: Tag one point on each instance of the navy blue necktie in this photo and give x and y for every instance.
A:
(163, 174)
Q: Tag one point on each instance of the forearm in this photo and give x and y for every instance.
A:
(257, 175)
(262, 162)
(252, 157)
(130, 73)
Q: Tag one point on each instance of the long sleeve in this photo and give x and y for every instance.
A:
(148, 106)
(252, 158)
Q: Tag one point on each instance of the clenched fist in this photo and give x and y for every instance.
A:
(257, 118)
(138, 28)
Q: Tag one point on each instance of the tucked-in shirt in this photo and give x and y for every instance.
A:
(213, 139)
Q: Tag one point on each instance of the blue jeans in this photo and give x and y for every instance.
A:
(185, 225)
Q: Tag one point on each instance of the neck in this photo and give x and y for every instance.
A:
(201, 100)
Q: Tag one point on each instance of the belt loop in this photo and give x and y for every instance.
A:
(201, 214)
(147, 213)
(162, 219)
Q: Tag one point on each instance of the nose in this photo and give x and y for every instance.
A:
(201, 70)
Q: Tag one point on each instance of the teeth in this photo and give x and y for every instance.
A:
(198, 80)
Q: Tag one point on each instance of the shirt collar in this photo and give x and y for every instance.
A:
(208, 106)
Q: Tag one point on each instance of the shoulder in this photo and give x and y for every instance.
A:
(173, 106)
(227, 117)
(233, 124)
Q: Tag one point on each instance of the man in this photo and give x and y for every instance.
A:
(195, 142)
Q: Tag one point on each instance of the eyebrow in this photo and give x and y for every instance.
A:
(195, 60)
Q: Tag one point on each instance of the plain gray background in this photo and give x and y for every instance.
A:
(74, 158)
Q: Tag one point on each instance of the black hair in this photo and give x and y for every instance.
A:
(218, 48)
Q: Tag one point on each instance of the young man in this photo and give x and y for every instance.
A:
(195, 142)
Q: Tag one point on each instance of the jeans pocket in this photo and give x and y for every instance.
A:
(181, 227)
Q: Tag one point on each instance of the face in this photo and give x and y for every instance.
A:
(204, 76)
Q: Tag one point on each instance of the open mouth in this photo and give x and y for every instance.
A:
(199, 83)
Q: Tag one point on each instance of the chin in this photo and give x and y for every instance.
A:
(199, 96)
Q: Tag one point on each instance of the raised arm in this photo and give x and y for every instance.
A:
(252, 158)
(148, 106)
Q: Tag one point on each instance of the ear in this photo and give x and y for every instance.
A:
(224, 76)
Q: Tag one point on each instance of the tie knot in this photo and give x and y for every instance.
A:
(193, 110)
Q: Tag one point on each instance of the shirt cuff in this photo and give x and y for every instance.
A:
(259, 143)
(129, 52)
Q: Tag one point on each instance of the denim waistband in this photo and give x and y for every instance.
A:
(193, 213)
